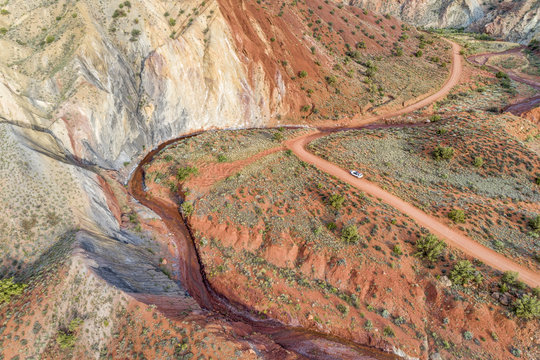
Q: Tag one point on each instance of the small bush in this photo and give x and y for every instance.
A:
(397, 250)
(65, 340)
(429, 247)
(278, 136)
(388, 331)
(515, 351)
(368, 325)
(187, 208)
(344, 309)
(349, 234)
(510, 277)
(330, 80)
(457, 216)
(443, 153)
(49, 39)
(463, 273)
(467, 335)
(534, 223)
(478, 161)
(302, 74)
(221, 158)
(419, 53)
(8, 288)
(74, 324)
(528, 307)
(185, 172)
(336, 201)
(435, 118)
(118, 13)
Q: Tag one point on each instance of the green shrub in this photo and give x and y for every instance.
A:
(330, 80)
(172, 22)
(187, 208)
(515, 351)
(3, 31)
(185, 172)
(344, 309)
(467, 335)
(74, 324)
(336, 201)
(278, 136)
(8, 288)
(65, 340)
(302, 74)
(331, 226)
(435, 118)
(528, 307)
(534, 223)
(397, 250)
(388, 331)
(510, 277)
(463, 273)
(457, 216)
(501, 75)
(478, 161)
(429, 247)
(118, 13)
(443, 153)
(349, 234)
(49, 39)
(368, 325)
(419, 53)
(305, 108)
(221, 158)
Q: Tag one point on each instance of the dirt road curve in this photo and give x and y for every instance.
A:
(452, 237)
(453, 79)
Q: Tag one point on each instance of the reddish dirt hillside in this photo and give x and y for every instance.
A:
(329, 57)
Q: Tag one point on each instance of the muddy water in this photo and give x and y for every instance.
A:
(304, 342)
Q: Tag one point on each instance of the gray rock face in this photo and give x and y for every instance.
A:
(514, 21)
(97, 90)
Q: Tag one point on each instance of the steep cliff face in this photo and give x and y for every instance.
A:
(514, 21)
(108, 79)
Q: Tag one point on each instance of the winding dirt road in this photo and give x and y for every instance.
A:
(452, 237)
(451, 81)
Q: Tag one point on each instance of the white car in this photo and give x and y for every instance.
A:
(356, 174)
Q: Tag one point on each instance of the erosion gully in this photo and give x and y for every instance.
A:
(521, 106)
